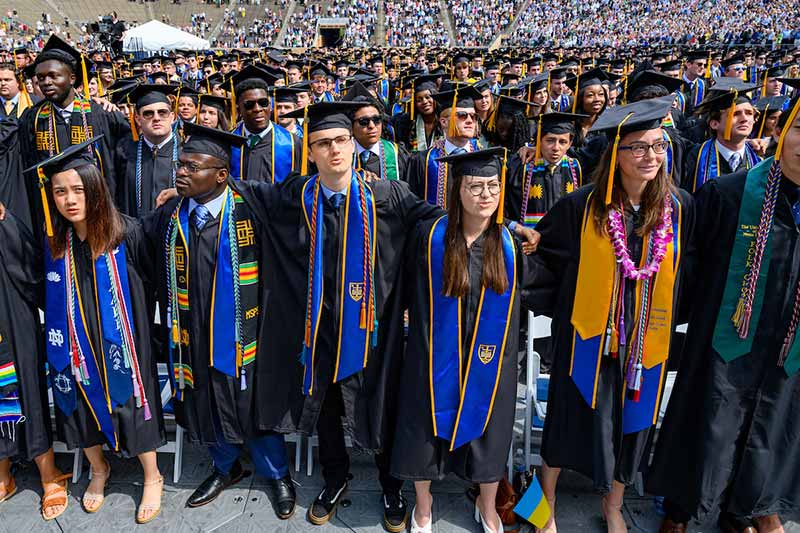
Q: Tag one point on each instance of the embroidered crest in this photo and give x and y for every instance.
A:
(54, 277)
(486, 353)
(356, 290)
(55, 337)
(569, 187)
(62, 383)
(115, 356)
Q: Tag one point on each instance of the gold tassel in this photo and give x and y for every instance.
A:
(731, 113)
(362, 320)
(708, 66)
(738, 314)
(304, 157)
(411, 111)
(763, 122)
(502, 201)
(785, 129)
(575, 96)
(614, 341)
(764, 86)
(176, 334)
(538, 154)
(48, 222)
(613, 164)
(233, 105)
(85, 78)
(134, 131)
(452, 129)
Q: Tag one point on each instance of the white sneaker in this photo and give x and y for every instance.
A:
(415, 528)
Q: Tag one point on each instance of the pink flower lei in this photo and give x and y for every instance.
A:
(661, 236)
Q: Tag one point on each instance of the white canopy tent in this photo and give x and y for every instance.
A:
(154, 36)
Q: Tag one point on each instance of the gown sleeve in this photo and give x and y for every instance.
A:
(22, 258)
(412, 209)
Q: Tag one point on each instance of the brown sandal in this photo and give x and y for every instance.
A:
(55, 496)
(11, 489)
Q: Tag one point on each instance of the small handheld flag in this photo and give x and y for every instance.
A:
(533, 506)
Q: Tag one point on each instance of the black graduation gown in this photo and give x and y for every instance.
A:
(136, 435)
(405, 131)
(258, 160)
(590, 151)
(20, 294)
(215, 396)
(156, 175)
(575, 436)
(731, 437)
(114, 126)
(690, 167)
(417, 453)
(555, 186)
(12, 185)
(368, 396)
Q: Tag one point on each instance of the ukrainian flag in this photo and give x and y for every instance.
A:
(533, 506)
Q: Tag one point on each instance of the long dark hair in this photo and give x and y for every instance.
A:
(652, 199)
(455, 270)
(105, 227)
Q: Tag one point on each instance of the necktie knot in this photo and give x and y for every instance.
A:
(458, 151)
(734, 161)
(337, 199)
(253, 139)
(9, 105)
(201, 215)
(365, 156)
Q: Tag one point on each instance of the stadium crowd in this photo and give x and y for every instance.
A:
(478, 22)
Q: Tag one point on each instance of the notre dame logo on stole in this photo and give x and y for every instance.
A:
(486, 353)
(356, 290)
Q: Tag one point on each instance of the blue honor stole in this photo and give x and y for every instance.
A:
(708, 163)
(437, 174)
(700, 91)
(75, 363)
(357, 323)
(681, 101)
(383, 91)
(593, 340)
(282, 154)
(461, 408)
(232, 322)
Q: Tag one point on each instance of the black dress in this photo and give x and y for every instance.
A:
(136, 435)
(417, 453)
(20, 294)
(577, 437)
(731, 435)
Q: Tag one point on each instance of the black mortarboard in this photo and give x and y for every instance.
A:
(319, 69)
(670, 66)
(325, 115)
(726, 84)
(461, 57)
(159, 76)
(733, 60)
(219, 102)
(146, 94)
(512, 106)
(776, 71)
(286, 94)
(210, 141)
(770, 104)
(558, 74)
(252, 72)
(360, 94)
(648, 80)
(693, 55)
(638, 116)
(720, 101)
(559, 123)
(463, 96)
(58, 49)
(480, 163)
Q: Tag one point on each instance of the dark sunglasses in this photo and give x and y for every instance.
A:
(249, 105)
(150, 113)
(365, 121)
(462, 115)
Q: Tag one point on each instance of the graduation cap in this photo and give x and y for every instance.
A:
(766, 107)
(146, 94)
(220, 103)
(319, 69)
(58, 49)
(559, 73)
(210, 141)
(483, 164)
(733, 60)
(358, 92)
(74, 156)
(458, 97)
(649, 80)
(462, 57)
(322, 116)
(670, 66)
(621, 120)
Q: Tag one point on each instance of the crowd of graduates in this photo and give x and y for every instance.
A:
(343, 242)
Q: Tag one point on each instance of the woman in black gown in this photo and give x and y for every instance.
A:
(613, 251)
(104, 375)
(464, 318)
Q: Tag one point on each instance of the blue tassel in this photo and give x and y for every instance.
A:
(375, 335)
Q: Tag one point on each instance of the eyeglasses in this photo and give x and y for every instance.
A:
(326, 144)
(739, 69)
(365, 121)
(150, 113)
(462, 115)
(640, 149)
(191, 167)
(476, 189)
(249, 105)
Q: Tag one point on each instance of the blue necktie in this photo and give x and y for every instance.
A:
(337, 199)
(458, 151)
(201, 215)
(796, 207)
(365, 155)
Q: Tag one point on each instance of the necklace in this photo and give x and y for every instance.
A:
(661, 236)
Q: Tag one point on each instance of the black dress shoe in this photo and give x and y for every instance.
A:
(282, 495)
(214, 484)
(733, 524)
(395, 512)
(324, 506)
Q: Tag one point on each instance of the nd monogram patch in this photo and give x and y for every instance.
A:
(486, 353)
(356, 290)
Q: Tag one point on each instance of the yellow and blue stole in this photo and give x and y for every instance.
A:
(282, 155)
(234, 295)
(356, 323)
(461, 403)
(383, 91)
(681, 98)
(708, 163)
(595, 336)
(75, 363)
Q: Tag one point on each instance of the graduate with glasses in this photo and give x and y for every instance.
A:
(611, 268)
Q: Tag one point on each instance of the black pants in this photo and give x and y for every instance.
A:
(333, 454)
